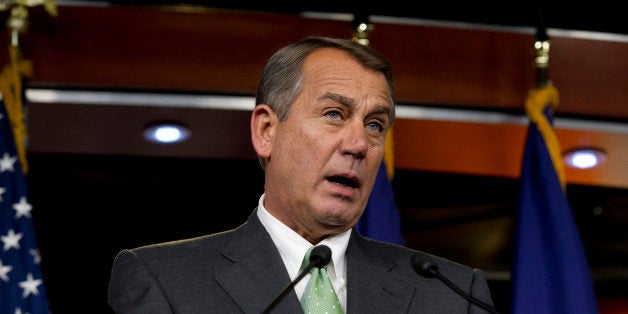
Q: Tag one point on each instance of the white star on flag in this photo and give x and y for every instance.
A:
(11, 240)
(2, 190)
(30, 285)
(36, 255)
(23, 208)
(7, 162)
(4, 271)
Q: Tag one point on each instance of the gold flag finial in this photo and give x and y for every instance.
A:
(18, 20)
(362, 28)
(362, 32)
(542, 46)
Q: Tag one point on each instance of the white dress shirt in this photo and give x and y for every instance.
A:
(292, 248)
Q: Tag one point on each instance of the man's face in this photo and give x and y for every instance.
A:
(326, 155)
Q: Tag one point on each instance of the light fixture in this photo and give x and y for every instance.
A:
(166, 132)
(584, 158)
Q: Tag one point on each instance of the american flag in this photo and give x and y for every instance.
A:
(22, 287)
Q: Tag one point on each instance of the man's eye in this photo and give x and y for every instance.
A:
(375, 126)
(333, 115)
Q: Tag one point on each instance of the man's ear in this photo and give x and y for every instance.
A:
(263, 127)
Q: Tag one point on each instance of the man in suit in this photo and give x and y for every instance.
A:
(323, 109)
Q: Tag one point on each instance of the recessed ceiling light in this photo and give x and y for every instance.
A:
(166, 133)
(584, 158)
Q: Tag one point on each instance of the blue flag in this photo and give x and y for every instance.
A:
(550, 269)
(381, 220)
(21, 284)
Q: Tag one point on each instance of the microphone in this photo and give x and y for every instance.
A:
(319, 257)
(424, 266)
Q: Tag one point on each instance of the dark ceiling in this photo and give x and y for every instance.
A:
(600, 16)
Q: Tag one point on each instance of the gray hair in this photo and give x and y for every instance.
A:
(281, 80)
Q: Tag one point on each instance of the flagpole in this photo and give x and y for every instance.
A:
(12, 74)
(542, 48)
(545, 94)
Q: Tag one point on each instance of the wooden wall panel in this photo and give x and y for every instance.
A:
(224, 51)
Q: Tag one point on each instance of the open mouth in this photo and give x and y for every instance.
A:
(345, 181)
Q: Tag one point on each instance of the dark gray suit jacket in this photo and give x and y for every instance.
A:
(241, 271)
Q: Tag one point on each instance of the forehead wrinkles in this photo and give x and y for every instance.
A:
(333, 71)
(347, 82)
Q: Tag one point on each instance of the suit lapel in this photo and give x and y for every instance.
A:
(257, 274)
(373, 285)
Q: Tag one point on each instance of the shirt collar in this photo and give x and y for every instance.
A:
(292, 247)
